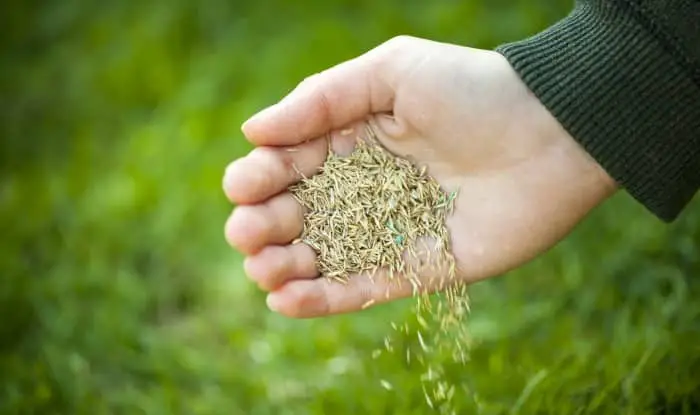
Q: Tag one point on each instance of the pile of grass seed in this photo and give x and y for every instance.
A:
(367, 213)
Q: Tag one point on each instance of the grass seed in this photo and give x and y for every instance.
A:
(368, 212)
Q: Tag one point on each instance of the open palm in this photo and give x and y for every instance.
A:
(524, 183)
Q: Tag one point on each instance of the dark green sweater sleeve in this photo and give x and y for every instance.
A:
(623, 78)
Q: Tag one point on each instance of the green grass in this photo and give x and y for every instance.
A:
(120, 296)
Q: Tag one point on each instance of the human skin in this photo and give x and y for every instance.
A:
(524, 182)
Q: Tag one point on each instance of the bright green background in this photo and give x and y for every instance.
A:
(120, 296)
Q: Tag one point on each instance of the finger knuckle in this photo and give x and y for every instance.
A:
(305, 258)
(264, 223)
(297, 307)
(279, 164)
(281, 263)
(388, 57)
(309, 80)
(285, 215)
(264, 167)
(399, 43)
(325, 106)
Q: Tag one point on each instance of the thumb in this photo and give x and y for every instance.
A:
(327, 100)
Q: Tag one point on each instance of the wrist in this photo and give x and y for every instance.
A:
(622, 97)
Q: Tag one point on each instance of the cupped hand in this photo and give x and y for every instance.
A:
(524, 182)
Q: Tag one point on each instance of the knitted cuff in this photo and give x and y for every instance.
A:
(623, 97)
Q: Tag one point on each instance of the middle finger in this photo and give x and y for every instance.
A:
(277, 221)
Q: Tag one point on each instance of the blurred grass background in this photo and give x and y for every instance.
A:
(120, 296)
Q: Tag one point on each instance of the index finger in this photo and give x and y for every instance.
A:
(330, 99)
(269, 170)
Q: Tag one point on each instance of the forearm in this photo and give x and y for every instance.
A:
(623, 78)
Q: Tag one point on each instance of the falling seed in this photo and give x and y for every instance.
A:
(427, 397)
(365, 213)
(422, 342)
(387, 345)
(386, 385)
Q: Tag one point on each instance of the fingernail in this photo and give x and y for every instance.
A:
(273, 302)
(228, 178)
(260, 115)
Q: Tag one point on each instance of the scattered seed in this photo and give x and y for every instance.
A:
(367, 212)
(422, 342)
(368, 304)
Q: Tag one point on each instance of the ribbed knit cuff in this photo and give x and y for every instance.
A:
(628, 103)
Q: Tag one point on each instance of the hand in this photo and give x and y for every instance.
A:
(524, 182)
